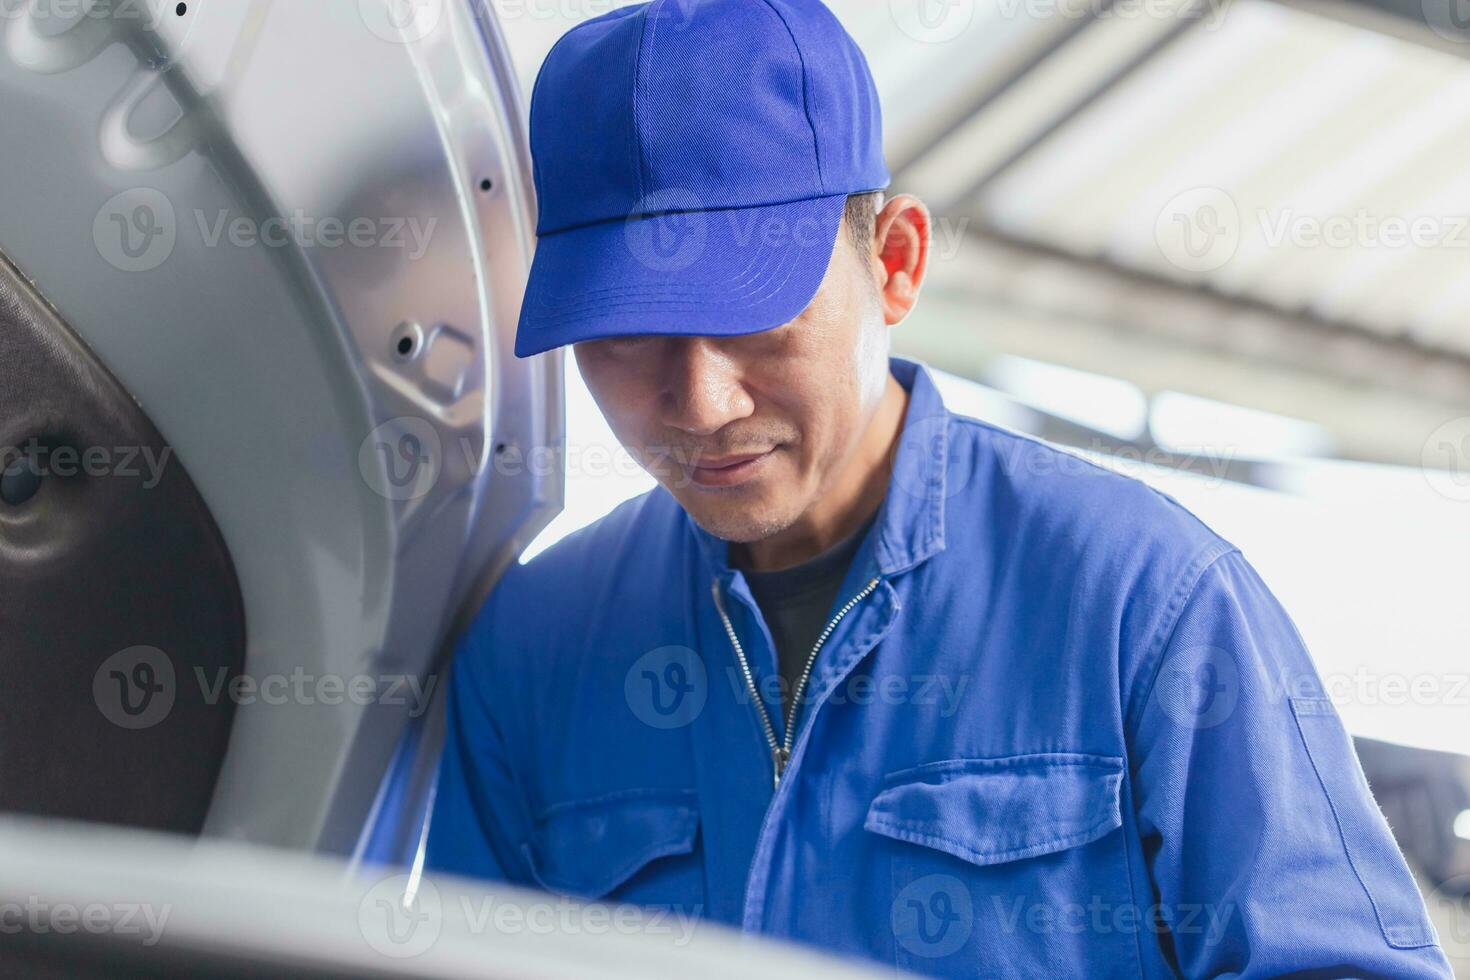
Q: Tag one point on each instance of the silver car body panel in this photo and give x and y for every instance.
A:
(183, 188)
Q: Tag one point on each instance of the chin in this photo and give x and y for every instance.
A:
(735, 520)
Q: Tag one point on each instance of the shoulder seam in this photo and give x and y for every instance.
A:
(1154, 658)
(1103, 470)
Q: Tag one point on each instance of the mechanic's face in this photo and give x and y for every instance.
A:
(749, 432)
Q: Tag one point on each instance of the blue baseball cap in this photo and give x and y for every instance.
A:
(692, 163)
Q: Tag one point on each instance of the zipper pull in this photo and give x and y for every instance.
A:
(779, 757)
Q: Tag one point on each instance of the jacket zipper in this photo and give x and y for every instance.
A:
(781, 751)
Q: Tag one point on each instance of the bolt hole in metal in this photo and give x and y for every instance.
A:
(407, 340)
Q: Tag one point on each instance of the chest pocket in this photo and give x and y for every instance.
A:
(634, 845)
(1008, 866)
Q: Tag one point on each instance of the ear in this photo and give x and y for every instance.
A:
(901, 238)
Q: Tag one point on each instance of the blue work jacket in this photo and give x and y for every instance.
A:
(1058, 728)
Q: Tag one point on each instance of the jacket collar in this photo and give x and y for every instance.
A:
(910, 523)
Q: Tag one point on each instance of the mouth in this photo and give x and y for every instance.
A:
(729, 471)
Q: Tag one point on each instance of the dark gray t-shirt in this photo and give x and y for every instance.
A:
(795, 602)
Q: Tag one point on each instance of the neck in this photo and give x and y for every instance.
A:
(855, 496)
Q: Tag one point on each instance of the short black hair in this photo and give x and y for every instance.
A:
(862, 219)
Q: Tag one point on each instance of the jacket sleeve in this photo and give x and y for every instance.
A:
(1253, 809)
(479, 815)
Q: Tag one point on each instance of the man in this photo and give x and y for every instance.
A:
(861, 672)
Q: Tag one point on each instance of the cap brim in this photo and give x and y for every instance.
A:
(715, 272)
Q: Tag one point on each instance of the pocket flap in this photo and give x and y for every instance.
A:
(589, 847)
(988, 811)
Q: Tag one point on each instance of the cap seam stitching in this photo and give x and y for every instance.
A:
(756, 294)
(532, 113)
(640, 144)
(806, 106)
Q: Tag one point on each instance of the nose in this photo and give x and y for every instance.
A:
(702, 387)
